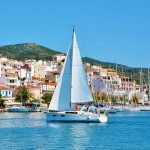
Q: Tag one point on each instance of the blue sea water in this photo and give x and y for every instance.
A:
(29, 131)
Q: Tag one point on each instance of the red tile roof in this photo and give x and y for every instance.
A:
(90, 70)
(9, 73)
(4, 88)
(50, 83)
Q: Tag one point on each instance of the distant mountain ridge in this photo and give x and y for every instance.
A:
(38, 52)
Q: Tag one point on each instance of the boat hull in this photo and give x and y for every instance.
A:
(18, 109)
(145, 109)
(86, 117)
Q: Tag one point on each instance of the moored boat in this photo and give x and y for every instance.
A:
(17, 109)
(145, 109)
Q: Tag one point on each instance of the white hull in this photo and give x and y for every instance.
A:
(73, 116)
(145, 109)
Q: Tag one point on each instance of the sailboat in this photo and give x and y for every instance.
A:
(72, 88)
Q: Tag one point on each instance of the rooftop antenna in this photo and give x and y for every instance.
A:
(122, 71)
(116, 65)
(141, 80)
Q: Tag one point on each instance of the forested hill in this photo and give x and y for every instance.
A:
(38, 52)
(27, 50)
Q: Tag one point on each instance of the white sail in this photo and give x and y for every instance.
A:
(72, 85)
(62, 94)
(80, 89)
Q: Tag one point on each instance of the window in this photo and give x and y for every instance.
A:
(11, 81)
(54, 115)
(12, 87)
(62, 115)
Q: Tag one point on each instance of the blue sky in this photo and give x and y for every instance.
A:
(106, 29)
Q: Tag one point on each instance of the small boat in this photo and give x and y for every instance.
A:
(72, 89)
(130, 109)
(126, 109)
(17, 109)
(145, 109)
(118, 108)
(112, 111)
(108, 110)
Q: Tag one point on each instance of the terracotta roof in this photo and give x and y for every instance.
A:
(42, 79)
(49, 83)
(5, 62)
(90, 70)
(59, 55)
(33, 87)
(9, 73)
(35, 78)
(15, 69)
(4, 88)
(97, 91)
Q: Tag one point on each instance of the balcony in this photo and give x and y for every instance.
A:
(12, 78)
(11, 84)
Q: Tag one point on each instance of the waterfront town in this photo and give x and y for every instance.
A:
(41, 77)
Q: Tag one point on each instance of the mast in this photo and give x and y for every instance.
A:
(117, 80)
(71, 70)
(148, 84)
(116, 65)
(99, 83)
(122, 82)
(20, 86)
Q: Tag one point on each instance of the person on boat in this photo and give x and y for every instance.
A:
(98, 108)
(76, 108)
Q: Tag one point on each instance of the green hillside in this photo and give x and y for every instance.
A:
(38, 52)
(27, 50)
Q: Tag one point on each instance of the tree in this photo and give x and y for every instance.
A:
(135, 99)
(95, 97)
(113, 99)
(23, 94)
(104, 97)
(1, 102)
(47, 97)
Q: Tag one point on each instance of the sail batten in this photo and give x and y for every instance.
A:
(72, 85)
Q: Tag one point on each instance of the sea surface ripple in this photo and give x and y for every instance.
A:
(29, 131)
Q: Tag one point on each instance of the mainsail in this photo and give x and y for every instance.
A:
(72, 86)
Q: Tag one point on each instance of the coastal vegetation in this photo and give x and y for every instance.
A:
(2, 105)
(23, 94)
(105, 98)
(47, 98)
